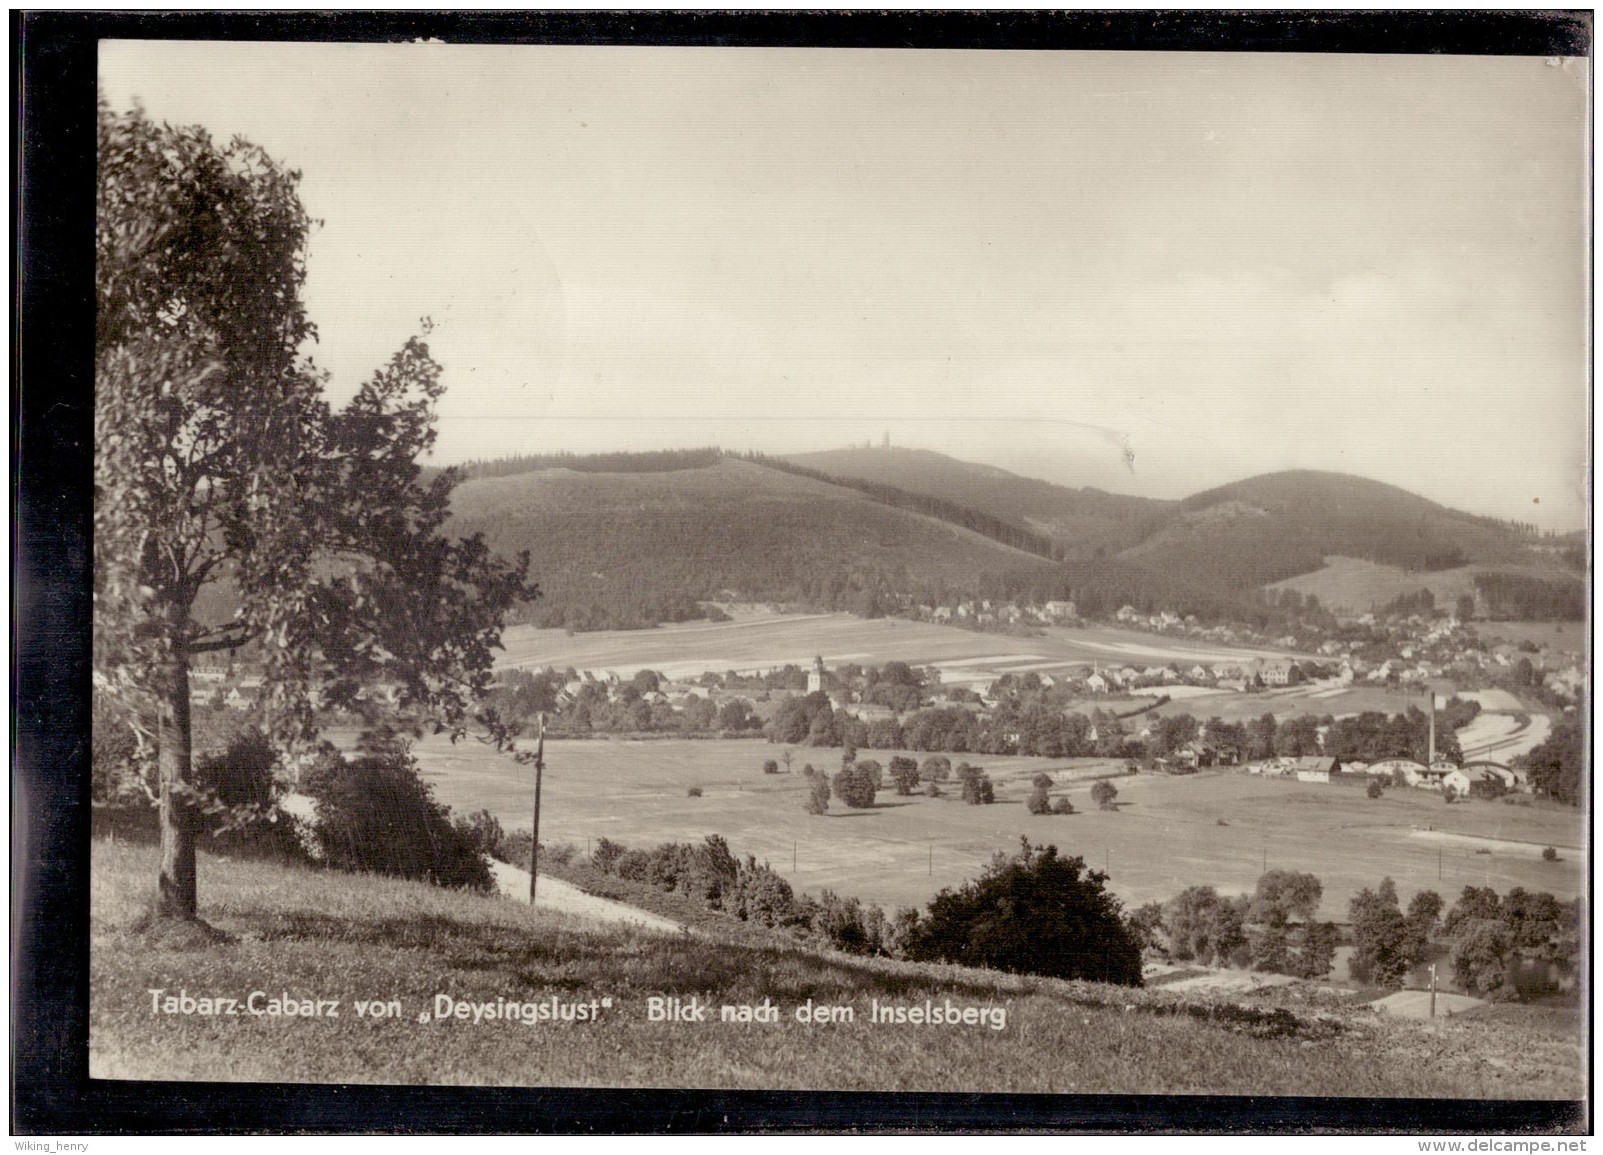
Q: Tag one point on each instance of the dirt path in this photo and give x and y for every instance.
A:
(554, 894)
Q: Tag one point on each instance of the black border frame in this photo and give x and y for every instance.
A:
(53, 91)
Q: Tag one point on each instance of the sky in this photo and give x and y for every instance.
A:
(1148, 272)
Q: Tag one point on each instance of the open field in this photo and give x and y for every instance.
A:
(769, 641)
(1220, 829)
(1353, 585)
(1565, 637)
(339, 938)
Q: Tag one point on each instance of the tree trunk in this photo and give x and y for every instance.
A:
(175, 897)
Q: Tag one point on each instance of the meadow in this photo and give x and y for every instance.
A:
(295, 934)
(767, 641)
(1215, 828)
(1568, 638)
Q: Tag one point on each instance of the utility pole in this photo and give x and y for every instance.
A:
(1433, 990)
(932, 860)
(539, 774)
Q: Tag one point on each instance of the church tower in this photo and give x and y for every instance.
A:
(815, 677)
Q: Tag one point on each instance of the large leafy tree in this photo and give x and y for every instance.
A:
(234, 506)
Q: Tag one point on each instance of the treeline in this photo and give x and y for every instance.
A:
(985, 524)
(1520, 597)
(1273, 929)
(1037, 725)
(1421, 602)
(1555, 766)
(649, 461)
(1504, 949)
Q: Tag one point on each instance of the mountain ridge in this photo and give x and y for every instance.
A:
(627, 539)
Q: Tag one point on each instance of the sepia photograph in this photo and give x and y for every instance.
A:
(645, 566)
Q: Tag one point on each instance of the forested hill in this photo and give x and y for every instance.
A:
(1278, 525)
(1082, 523)
(623, 549)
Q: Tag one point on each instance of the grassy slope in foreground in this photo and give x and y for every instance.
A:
(344, 937)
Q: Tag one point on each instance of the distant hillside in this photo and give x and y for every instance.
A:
(1090, 522)
(627, 540)
(1352, 585)
(636, 548)
(1273, 527)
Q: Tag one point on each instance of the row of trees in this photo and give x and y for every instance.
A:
(1273, 929)
(1497, 948)
(1035, 727)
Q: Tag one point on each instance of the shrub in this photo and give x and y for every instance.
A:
(844, 924)
(514, 848)
(606, 854)
(874, 773)
(1062, 806)
(1042, 781)
(375, 813)
(977, 787)
(1550, 854)
(933, 789)
(759, 895)
(817, 793)
(693, 792)
(634, 865)
(935, 768)
(770, 767)
(237, 793)
(854, 785)
(904, 774)
(482, 830)
(1374, 788)
(242, 774)
(1032, 913)
(1103, 793)
(1039, 802)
